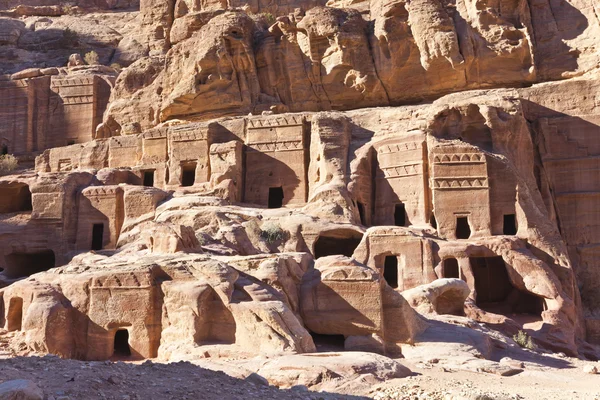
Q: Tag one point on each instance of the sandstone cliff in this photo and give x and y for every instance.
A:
(258, 178)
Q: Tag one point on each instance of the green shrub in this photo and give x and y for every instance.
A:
(8, 163)
(269, 18)
(91, 58)
(69, 9)
(271, 233)
(524, 340)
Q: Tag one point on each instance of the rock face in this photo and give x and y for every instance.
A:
(291, 177)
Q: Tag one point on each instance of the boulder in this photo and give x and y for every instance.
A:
(442, 296)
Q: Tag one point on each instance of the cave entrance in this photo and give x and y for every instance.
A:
(15, 198)
(463, 230)
(510, 224)
(344, 244)
(328, 343)
(450, 268)
(275, 197)
(188, 174)
(400, 215)
(14, 317)
(361, 213)
(97, 236)
(496, 294)
(491, 279)
(390, 271)
(121, 343)
(21, 265)
(148, 178)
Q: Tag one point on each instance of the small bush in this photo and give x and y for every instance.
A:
(269, 18)
(116, 66)
(8, 163)
(271, 233)
(201, 238)
(91, 58)
(69, 9)
(524, 340)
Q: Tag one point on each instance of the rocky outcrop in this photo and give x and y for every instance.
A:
(274, 180)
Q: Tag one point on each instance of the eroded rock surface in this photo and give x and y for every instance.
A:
(283, 188)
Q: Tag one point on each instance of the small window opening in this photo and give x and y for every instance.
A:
(97, 236)
(70, 142)
(275, 197)
(463, 230)
(510, 224)
(400, 215)
(361, 212)
(188, 174)
(450, 268)
(390, 271)
(121, 347)
(149, 178)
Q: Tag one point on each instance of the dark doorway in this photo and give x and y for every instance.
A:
(121, 347)
(328, 343)
(491, 279)
(463, 230)
(148, 178)
(400, 215)
(450, 268)
(510, 224)
(4, 150)
(390, 271)
(433, 221)
(329, 246)
(97, 236)
(20, 265)
(275, 197)
(188, 174)
(361, 213)
(26, 204)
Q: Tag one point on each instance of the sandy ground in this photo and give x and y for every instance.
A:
(70, 379)
(542, 383)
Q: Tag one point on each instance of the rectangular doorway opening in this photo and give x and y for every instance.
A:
(361, 213)
(400, 215)
(492, 283)
(510, 224)
(450, 268)
(121, 346)
(275, 197)
(148, 178)
(390, 271)
(97, 236)
(188, 174)
(463, 230)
